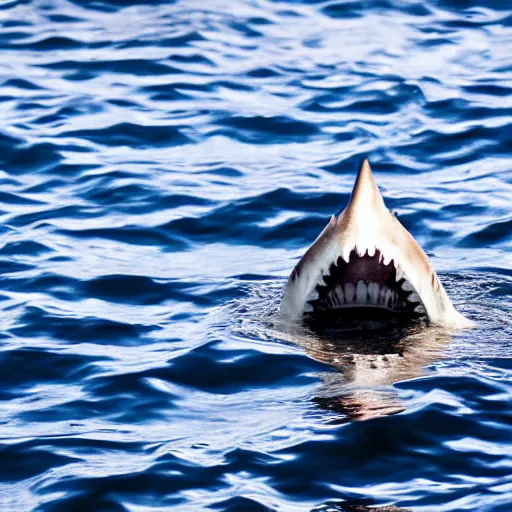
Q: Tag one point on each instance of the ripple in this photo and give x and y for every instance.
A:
(490, 234)
(127, 134)
(127, 289)
(39, 367)
(26, 463)
(257, 129)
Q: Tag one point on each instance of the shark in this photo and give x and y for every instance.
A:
(365, 264)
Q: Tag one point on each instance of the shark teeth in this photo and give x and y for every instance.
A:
(362, 294)
(390, 298)
(386, 260)
(337, 296)
(350, 293)
(420, 309)
(406, 286)
(373, 292)
(345, 255)
(347, 282)
(414, 297)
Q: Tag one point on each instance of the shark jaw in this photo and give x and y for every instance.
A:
(365, 261)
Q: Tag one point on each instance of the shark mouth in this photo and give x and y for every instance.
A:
(364, 282)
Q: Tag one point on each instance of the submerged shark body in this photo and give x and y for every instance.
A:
(366, 263)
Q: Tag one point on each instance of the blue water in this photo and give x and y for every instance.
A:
(163, 166)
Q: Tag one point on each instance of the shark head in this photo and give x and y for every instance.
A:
(365, 260)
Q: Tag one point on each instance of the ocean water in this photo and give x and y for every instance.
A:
(163, 166)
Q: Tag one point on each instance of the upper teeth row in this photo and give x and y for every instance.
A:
(360, 251)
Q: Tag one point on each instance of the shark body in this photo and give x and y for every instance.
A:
(365, 261)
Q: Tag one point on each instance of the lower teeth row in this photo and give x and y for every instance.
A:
(371, 294)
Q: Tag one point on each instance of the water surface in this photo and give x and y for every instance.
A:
(163, 166)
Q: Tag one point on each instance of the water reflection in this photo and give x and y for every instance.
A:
(349, 507)
(370, 359)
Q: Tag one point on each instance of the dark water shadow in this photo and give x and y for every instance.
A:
(370, 358)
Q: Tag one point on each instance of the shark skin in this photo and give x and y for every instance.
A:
(362, 244)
